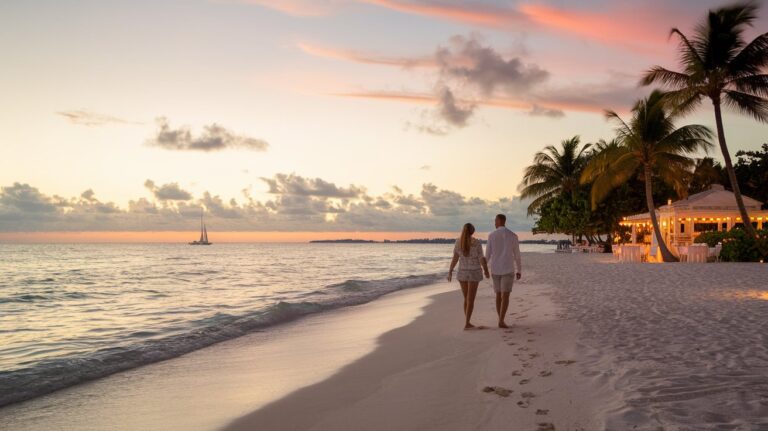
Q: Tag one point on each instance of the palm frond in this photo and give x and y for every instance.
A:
(538, 202)
(538, 189)
(623, 130)
(691, 58)
(618, 172)
(684, 101)
(752, 59)
(686, 140)
(752, 84)
(666, 78)
(754, 106)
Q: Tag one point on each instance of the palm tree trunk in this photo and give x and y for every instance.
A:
(731, 172)
(666, 255)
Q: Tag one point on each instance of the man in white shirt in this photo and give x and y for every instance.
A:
(503, 255)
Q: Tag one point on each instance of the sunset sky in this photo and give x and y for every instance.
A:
(310, 115)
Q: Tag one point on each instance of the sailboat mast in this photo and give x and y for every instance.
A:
(201, 224)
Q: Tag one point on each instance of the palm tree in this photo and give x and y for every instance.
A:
(718, 64)
(554, 172)
(705, 173)
(650, 145)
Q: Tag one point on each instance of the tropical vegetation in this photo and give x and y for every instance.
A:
(585, 189)
(719, 65)
(651, 145)
(738, 245)
(554, 173)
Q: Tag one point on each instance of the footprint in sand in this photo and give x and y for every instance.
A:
(523, 404)
(542, 412)
(545, 426)
(498, 390)
(511, 343)
(528, 395)
(545, 373)
(533, 355)
(565, 362)
(530, 340)
(523, 349)
(517, 373)
(525, 381)
(526, 365)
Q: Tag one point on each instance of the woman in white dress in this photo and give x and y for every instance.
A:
(468, 252)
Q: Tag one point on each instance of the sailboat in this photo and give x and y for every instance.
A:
(203, 233)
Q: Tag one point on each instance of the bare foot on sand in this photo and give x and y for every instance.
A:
(503, 325)
(469, 326)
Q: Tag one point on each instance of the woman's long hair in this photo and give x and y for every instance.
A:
(465, 242)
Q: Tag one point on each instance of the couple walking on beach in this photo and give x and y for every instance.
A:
(502, 256)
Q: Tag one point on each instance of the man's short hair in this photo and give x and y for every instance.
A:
(501, 217)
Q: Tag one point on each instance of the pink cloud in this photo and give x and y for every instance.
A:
(640, 28)
(473, 13)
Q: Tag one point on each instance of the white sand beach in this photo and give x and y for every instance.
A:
(594, 345)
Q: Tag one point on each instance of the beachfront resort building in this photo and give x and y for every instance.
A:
(682, 221)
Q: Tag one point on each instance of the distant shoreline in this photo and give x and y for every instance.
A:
(418, 241)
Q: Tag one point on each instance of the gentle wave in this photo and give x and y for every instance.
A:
(59, 372)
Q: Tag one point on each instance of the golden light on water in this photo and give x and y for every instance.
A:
(747, 294)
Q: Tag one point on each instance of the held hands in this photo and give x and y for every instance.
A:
(487, 274)
(450, 275)
(518, 276)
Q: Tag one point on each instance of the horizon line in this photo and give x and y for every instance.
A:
(225, 236)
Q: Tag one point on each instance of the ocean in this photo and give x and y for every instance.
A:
(70, 313)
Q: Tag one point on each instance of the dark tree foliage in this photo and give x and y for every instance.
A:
(706, 172)
(752, 174)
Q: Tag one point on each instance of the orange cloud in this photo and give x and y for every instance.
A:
(589, 100)
(506, 103)
(357, 57)
(420, 98)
